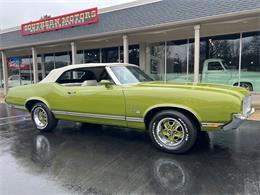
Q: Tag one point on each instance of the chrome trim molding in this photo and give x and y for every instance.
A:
(89, 115)
(99, 116)
(135, 119)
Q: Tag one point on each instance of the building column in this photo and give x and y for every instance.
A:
(142, 56)
(126, 49)
(5, 73)
(196, 53)
(74, 52)
(35, 65)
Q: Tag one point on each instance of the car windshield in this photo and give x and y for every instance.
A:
(130, 74)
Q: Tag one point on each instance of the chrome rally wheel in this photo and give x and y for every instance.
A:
(40, 117)
(43, 118)
(172, 131)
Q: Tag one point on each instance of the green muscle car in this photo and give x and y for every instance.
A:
(122, 95)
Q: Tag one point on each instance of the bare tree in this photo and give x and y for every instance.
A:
(45, 16)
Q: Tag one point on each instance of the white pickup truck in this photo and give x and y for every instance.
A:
(216, 70)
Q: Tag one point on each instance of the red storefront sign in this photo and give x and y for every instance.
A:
(59, 22)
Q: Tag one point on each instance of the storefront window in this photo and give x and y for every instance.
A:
(41, 69)
(13, 65)
(250, 61)
(1, 75)
(190, 60)
(155, 66)
(62, 59)
(80, 57)
(134, 54)
(26, 72)
(110, 55)
(19, 71)
(221, 51)
(176, 61)
(92, 56)
(49, 63)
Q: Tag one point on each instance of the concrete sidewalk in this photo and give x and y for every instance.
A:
(255, 116)
(256, 101)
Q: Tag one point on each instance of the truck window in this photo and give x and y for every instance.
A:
(214, 66)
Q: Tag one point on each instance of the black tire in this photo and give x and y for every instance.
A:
(49, 124)
(185, 125)
(246, 85)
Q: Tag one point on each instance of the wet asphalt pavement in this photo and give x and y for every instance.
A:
(106, 160)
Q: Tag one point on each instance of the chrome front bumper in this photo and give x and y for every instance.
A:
(237, 120)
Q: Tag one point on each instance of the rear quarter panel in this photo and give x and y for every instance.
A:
(20, 95)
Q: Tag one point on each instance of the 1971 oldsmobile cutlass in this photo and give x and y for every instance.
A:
(122, 95)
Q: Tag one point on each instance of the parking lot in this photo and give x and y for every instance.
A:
(106, 160)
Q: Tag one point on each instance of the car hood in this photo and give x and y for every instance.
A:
(232, 90)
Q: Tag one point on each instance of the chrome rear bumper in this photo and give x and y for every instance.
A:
(237, 120)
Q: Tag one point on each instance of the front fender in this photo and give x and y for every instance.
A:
(173, 106)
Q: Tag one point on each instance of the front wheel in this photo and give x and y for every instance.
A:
(42, 118)
(172, 131)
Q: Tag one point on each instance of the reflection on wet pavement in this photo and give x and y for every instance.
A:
(106, 160)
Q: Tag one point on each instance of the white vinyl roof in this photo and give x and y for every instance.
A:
(56, 73)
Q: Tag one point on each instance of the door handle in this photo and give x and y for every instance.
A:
(71, 92)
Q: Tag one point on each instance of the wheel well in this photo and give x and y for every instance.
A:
(154, 111)
(29, 105)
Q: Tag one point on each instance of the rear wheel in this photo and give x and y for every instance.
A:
(43, 118)
(172, 131)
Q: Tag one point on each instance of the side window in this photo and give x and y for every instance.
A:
(214, 66)
(72, 74)
(78, 76)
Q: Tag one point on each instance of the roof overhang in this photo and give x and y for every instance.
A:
(164, 26)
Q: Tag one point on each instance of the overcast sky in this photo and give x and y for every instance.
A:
(17, 12)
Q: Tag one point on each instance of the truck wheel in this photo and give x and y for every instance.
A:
(42, 118)
(172, 131)
(246, 85)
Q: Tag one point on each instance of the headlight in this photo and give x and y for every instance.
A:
(247, 105)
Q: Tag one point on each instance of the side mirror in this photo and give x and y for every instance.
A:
(107, 83)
